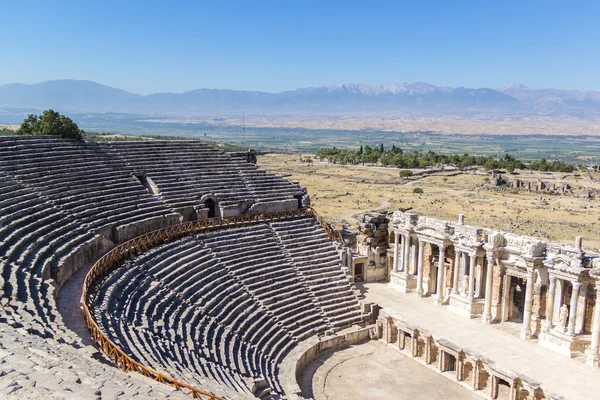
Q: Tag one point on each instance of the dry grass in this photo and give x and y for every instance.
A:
(11, 127)
(345, 192)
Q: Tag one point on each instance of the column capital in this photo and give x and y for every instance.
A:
(530, 272)
(576, 284)
(533, 263)
(422, 243)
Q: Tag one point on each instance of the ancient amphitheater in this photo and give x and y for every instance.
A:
(170, 269)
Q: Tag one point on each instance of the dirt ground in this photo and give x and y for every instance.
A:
(375, 371)
(343, 193)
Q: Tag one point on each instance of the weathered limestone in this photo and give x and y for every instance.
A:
(34, 367)
(460, 364)
(186, 172)
(64, 202)
(372, 258)
(237, 300)
(500, 277)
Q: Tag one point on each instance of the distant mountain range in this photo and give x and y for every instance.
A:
(90, 97)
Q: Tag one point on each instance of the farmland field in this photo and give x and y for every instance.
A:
(574, 149)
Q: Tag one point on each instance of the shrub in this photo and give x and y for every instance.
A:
(418, 190)
(405, 173)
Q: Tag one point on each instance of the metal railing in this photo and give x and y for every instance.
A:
(122, 252)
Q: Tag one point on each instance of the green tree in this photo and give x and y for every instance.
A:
(50, 123)
(490, 164)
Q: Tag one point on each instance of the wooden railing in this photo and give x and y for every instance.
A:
(125, 251)
(333, 234)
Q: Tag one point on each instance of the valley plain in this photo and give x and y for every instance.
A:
(344, 192)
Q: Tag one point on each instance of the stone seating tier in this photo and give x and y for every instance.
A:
(184, 171)
(226, 306)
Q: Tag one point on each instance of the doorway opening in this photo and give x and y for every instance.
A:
(212, 207)
(517, 299)
(299, 198)
(359, 272)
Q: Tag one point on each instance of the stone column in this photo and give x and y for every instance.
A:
(489, 277)
(456, 271)
(420, 269)
(479, 276)
(580, 322)
(415, 256)
(463, 270)
(401, 262)
(526, 328)
(440, 275)
(396, 245)
(473, 260)
(592, 353)
(573, 308)
(550, 296)
(406, 254)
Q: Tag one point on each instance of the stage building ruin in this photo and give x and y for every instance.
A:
(550, 290)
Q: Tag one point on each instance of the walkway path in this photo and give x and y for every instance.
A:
(69, 304)
(556, 374)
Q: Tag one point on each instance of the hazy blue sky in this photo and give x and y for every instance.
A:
(177, 46)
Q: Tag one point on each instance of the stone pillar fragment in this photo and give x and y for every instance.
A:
(471, 288)
(479, 278)
(573, 307)
(415, 256)
(396, 245)
(550, 297)
(440, 275)
(406, 254)
(456, 272)
(403, 244)
(526, 328)
(487, 307)
(463, 272)
(420, 269)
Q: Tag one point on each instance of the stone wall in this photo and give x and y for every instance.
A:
(273, 207)
(125, 232)
(467, 368)
(308, 350)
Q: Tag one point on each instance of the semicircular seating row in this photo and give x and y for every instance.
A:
(63, 202)
(227, 306)
(183, 169)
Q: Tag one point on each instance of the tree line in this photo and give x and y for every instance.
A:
(397, 157)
